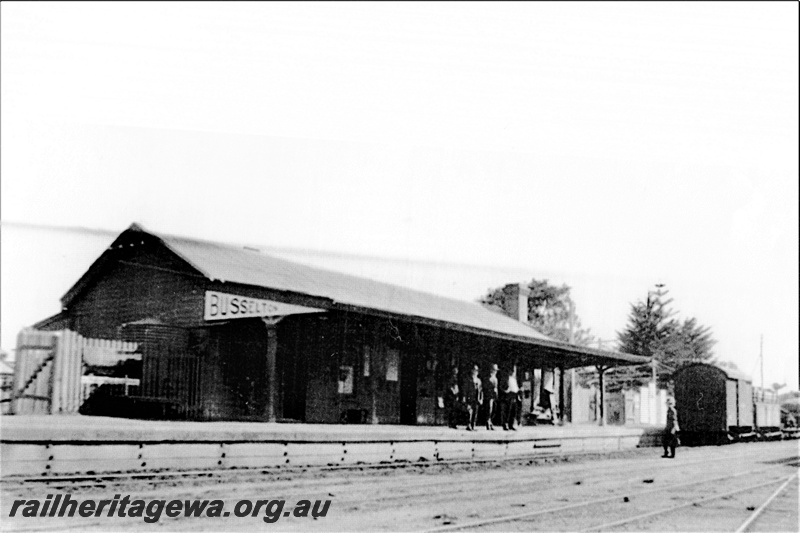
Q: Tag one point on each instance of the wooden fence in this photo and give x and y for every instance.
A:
(49, 367)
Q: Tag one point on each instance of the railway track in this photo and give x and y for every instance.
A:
(695, 503)
(577, 473)
(421, 495)
(106, 479)
(747, 524)
(527, 516)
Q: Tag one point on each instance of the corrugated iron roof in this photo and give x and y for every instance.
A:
(241, 265)
(237, 264)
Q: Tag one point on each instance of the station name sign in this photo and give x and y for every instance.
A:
(223, 306)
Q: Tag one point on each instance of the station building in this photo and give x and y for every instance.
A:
(227, 332)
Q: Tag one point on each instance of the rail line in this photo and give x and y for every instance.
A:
(594, 474)
(92, 480)
(524, 516)
(377, 492)
(752, 518)
(596, 477)
(688, 504)
(106, 479)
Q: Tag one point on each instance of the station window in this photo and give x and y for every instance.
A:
(345, 379)
(392, 364)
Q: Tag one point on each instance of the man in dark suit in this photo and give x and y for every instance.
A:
(490, 396)
(670, 438)
(473, 397)
(451, 399)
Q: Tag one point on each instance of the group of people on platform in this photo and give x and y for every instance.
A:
(475, 394)
(487, 393)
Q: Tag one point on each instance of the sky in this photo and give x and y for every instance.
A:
(445, 146)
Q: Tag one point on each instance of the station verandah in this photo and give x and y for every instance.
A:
(332, 367)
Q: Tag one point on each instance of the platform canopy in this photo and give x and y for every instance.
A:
(229, 263)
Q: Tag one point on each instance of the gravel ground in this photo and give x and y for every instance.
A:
(423, 498)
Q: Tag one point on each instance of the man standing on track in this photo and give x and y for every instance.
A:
(670, 438)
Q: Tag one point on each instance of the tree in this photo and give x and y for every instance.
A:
(653, 331)
(550, 311)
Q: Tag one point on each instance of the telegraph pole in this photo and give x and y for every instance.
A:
(571, 322)
(602, 370)
(571, 370)
(761, 358)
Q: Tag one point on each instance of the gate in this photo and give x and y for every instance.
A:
(33, 370)
(171, 382)
(49, 369)
(47, 373)
(165, 381)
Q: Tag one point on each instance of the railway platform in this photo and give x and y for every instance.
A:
(34, 445)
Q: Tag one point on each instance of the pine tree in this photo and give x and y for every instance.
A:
(651, 327)
(653, 331)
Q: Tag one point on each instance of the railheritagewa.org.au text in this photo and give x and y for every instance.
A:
(151, 510)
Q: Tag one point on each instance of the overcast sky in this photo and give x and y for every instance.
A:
(609, 146)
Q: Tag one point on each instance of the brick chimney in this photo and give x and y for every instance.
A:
(516, 301)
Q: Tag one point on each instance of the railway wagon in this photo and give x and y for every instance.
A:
(715, 405)
(790, 414)
(767, 412)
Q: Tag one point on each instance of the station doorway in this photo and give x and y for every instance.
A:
(408, 389)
